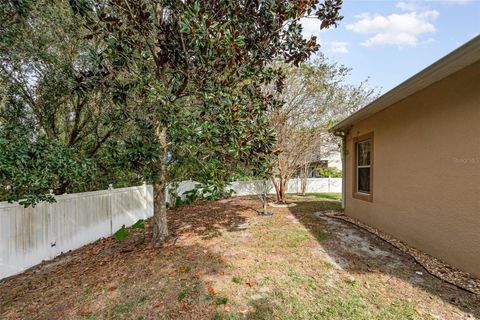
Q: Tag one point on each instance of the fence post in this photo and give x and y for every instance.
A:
(110, 206)
(329, 183)
(145, 192)
(49, 234)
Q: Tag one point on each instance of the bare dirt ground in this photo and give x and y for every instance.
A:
(223, 261)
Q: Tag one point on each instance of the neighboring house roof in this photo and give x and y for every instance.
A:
(456, 60)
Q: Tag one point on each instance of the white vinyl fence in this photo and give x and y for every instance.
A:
(314, 185)
(30, 235)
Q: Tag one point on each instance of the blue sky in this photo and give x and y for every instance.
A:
(389, 41)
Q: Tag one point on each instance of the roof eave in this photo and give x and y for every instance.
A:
(458, 59)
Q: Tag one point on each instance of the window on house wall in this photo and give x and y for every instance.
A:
(363, 167)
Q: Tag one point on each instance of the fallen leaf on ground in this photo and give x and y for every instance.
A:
(244, 310)
(159, 306)
(31, 309)
(183, 269)
(419, 312)
(212, 291)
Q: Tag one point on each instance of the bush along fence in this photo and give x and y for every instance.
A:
(30, 235)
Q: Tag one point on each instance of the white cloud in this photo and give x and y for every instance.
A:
(338, 47)
(408, 6)
(311, 27)
(396, 29)
(454, 2)
(418, 5)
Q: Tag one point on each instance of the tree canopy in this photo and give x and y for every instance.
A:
(315, 95)
(199, 67)
(156, 89)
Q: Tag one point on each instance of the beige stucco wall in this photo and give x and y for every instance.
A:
(426, 174)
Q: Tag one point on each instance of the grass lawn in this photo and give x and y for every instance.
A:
(320, 196)
(330, 195)
(223, 261)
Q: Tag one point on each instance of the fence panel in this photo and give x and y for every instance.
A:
(30, 235)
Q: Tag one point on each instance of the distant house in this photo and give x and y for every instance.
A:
(312, 171)
(329, 156)
(412, 160)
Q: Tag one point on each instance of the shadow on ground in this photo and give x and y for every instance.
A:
(359, 252)
(208, 219)
(129, 278)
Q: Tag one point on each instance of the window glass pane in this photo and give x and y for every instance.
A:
(363, 153)
(363, 183)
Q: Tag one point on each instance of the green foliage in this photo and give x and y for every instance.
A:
(213, 191)
(198, 75)
(192, 195)
(163, 90)
(31, 166)
(139, 224)
(237, 279)
(129, 305)
(332, 172)
(55, 107)
(183, 294)
(121, 233)
(221, 300)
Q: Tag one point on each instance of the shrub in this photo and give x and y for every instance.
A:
(329, 172)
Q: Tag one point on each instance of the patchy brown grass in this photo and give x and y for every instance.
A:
(225, 262)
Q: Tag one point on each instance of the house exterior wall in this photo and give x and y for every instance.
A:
(426, 170)
(334, 160)
(331, 152)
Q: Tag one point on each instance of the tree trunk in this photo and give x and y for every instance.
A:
(160, 227)
(283, 189)
(276, 186)
(304, 177)
(280, 188)
(265, 190)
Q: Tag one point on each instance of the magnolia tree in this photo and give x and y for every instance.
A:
(198, 68)
(315, 95)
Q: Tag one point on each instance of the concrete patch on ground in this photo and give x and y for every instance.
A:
(356, 243)
(361, 245)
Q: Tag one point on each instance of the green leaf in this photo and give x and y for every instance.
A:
(139, 224)
(122, 233)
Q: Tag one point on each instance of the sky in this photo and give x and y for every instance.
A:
(388, 41)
